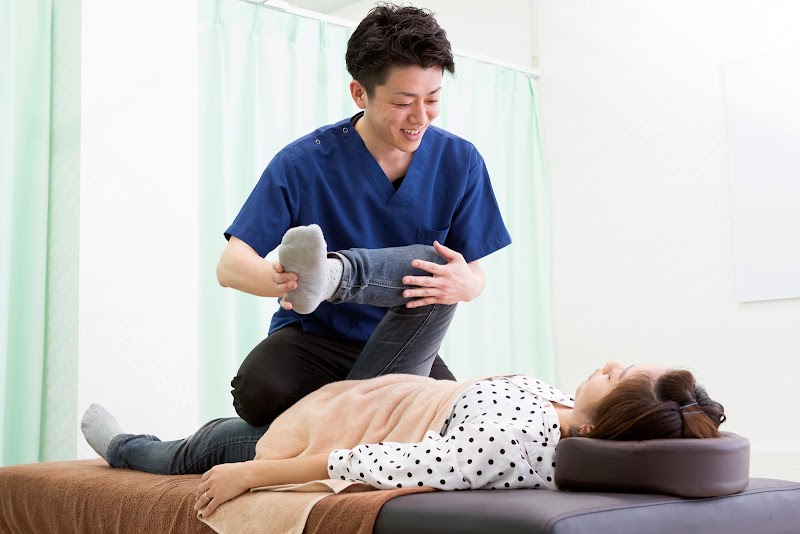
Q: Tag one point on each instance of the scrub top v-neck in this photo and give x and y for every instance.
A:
(390, 195)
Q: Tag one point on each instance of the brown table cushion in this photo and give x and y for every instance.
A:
(89, 497)
(682, 467)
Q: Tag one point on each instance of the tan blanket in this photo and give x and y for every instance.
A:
(352, 513)
(339, 415)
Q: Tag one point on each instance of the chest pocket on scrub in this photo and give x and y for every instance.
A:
(427, 237)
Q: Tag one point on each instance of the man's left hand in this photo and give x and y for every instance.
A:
(456, 281)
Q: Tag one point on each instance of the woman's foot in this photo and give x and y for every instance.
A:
(303, 251)
(99, 427)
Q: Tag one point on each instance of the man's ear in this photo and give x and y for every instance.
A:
(359, 94)
(586, 428)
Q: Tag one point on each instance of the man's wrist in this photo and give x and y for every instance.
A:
(479, 285)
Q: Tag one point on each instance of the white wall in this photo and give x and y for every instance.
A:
(634, 120)
(502, 30)
(138, 215)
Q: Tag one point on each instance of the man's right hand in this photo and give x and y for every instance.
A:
(284, 282)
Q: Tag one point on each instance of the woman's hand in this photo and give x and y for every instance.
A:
(220, 484)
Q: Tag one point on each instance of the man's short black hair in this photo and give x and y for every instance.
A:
(391, 36)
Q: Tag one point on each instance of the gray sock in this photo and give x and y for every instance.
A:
(303, 251)
(99, 427)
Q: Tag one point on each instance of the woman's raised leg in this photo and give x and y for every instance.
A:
(407, 340)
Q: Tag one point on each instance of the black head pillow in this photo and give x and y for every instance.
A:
(684, 467)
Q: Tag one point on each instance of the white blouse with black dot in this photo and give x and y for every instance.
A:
(501, 433)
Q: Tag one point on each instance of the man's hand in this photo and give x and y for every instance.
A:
(220, 484)
(284, 282)
(457, 281)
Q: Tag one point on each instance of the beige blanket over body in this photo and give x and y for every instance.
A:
(341, 415)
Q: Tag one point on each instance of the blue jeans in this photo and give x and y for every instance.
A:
(405, 341)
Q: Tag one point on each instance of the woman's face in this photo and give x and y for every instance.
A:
(601, 382)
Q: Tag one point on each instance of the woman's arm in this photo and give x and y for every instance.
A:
(468, 456)
(223, 482)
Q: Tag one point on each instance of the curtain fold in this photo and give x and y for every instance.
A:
(268, 77)
(25, 156)
(38, 219)
(59, 417)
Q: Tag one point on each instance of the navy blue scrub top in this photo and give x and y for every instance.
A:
(329, 178)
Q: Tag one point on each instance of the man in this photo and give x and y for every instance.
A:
(383, 178)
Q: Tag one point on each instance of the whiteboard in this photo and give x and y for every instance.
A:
(763, 100)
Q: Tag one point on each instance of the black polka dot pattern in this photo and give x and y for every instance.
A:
(501, 433)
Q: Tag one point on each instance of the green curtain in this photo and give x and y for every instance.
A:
(38, 221)
(268, 77)
(508, 328)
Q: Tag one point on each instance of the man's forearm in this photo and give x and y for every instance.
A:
(240, 267)
(249, 277)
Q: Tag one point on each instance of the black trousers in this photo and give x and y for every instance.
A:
(288, 365)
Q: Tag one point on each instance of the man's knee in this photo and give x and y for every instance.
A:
(259, 398)
(281, 370)
(440, 371)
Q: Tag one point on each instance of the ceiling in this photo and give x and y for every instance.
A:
(321, 6)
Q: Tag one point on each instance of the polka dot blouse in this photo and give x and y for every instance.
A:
(501, 434)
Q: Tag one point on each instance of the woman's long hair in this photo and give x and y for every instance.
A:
(669, 406)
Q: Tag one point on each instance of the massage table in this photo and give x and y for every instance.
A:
(698, 486)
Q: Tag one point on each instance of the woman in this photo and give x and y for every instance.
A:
(498, 432)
